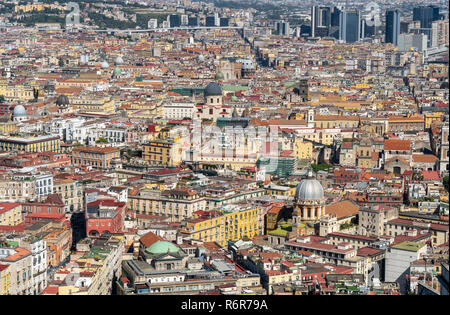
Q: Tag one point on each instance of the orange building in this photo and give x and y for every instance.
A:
(59, 241)
(410, 123)
(95, 156)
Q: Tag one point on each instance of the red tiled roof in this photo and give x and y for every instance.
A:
(50, 290)
(424, 158)
(342, 209)
(430, 175)
(397, 144)
(150, 238)
(7, 206)
(20, 253)
(368, 251)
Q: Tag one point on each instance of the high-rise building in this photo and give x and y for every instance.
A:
(334, 25)
(174, 20)
(152, 23)
(216, 19)
(334, 17)
(350, 26)
(320, 21)
(366, 31)
(193, 21)
(426, 15)
(283, 28)
(408, 42)
(392, 26)
(305, 30)
(404, 27)
(439, 33)
(210, 21)
(224, 22)
(184, 19)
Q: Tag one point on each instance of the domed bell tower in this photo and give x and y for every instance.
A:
(309, 203)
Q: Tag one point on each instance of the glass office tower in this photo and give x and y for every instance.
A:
(350, 26)
(392, 26)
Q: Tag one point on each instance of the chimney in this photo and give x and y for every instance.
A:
(179, 239)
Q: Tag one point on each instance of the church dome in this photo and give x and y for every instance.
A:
(213, 89)
(162, 247)
(119, 60)
(62, 100)
(219, 76)
(117, 71)
(105, 65)
(19, 111)
(309, 189)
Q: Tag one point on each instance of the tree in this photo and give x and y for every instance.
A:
(2, 99)
(446, 182)
(101, 140)
(35, 94)
(61, 63)
(320, 167)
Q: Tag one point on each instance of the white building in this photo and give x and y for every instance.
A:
(152, 23)
(398, 261)
(44, 184)
(406, 42)
(20, 263)
(38, 248)
(179, 110)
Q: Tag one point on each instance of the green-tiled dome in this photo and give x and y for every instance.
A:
(117, 71)
(162, 247)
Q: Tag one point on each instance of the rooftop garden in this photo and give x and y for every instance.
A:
(282, 230)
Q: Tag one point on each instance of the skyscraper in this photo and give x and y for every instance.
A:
(174, 20)
(320, 21)
(224, 22)
(192, 21)
(350, 26)
(210, 20)
(426, 15)
(283, 28)
(334, 28)
(392, 26)
(335, 14)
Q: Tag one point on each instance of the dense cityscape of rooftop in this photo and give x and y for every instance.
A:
(224, 147)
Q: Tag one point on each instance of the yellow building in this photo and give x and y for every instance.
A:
(410, 123)
(429, 118)
(4, 280)
(95, 156)
(29, 7)
(276, 190)
(17, 92)
(92, 104)
(336, 121)
(303, 150)
(220, 227)
(162, 152)
(10, 213)
(96, 267)
(324, 136)
(7, 127)
(30, 144)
